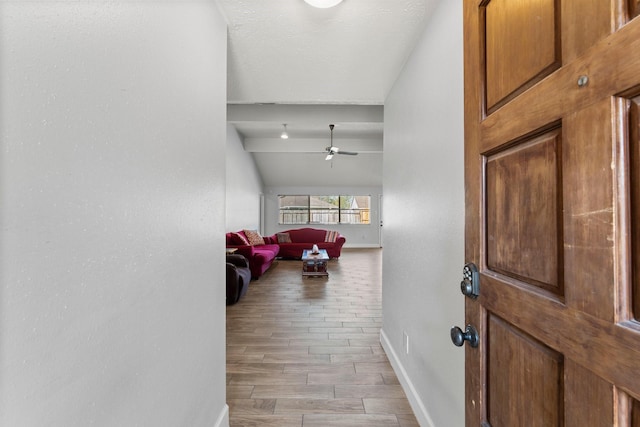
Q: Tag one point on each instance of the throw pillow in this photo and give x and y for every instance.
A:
(254, 237)
(283, 237)
(238, 239)
(331, 236)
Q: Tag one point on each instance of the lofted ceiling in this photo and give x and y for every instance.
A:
(290, 63)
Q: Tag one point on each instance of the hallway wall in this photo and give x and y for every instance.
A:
(244, 185)
(112, 118)
(424, 221)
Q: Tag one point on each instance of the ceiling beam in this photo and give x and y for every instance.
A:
(288, 113)
(310, 145)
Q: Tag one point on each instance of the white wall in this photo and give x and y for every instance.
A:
(244, 186)
(112, 118)
(358, 236)
(424, 221)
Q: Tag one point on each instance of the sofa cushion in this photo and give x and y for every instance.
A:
(307, 235)
(254, 237)
(263, 256)
(283, 237)
(331, 236)
(272, 248)
(238, 239)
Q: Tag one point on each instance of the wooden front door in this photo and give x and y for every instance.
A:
(552, 176)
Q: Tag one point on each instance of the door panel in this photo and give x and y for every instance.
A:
(583, 386)
(519, 50)
(525, 379)
(585, 22)
(634, 151)
(552, 193)
(634, 8)
(635, 414)
(523, 193)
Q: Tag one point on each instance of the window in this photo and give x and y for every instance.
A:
(305, 209)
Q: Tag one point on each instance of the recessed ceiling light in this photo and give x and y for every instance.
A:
(323, 4)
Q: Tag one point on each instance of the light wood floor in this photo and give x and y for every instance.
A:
(306, 351)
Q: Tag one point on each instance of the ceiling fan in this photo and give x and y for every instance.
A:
(331, 150)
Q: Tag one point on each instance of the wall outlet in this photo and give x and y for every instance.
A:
(405, 341)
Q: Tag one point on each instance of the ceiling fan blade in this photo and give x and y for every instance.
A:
(331, 150)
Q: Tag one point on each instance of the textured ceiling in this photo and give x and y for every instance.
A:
(286, 52)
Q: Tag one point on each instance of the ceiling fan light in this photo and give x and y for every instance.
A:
(284, 134)
(323, 4)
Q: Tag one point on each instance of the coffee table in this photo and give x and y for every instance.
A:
(314, 264)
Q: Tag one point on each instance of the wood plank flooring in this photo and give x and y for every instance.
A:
(305, 352)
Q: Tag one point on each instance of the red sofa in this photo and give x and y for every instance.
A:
(260, 256)
(291, 246)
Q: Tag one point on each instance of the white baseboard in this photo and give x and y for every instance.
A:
(417, 406)
(223, 418)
